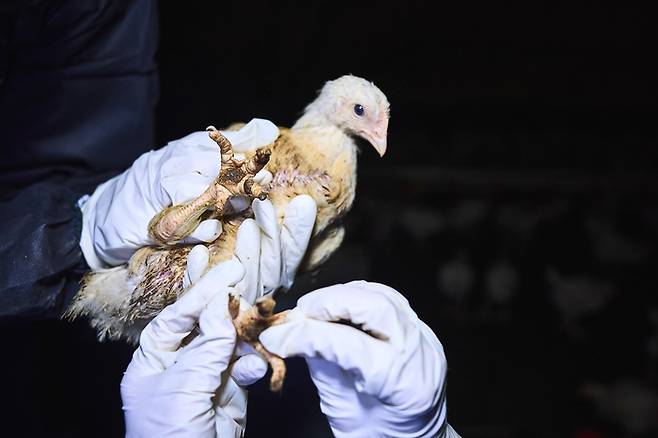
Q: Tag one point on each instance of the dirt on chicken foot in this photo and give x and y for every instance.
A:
(236, 177)
(249, 325)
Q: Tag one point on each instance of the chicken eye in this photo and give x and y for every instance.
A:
(358, 110)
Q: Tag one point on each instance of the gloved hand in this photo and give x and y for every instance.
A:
(388, 383)
(168, 390)
(269, 254)
(116, 216)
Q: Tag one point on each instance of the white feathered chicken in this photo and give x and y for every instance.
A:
(317, 156)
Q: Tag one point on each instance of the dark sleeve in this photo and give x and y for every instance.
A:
(78, 87)
(41, 261)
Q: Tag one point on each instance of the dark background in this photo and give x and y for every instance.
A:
(515, 207)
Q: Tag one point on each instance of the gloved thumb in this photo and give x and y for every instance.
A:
(296, 232)
(247, 251)
(207, 231)
(209, 353)
(249, 367)
(197, 263)
(270, 244)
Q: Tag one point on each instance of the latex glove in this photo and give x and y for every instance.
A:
(390, 384)
(116, 216)
(269, 253)
(168, 390)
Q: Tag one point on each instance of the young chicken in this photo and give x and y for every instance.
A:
(316, 156)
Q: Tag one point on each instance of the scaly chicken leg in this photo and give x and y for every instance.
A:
(249, 325)
(236, 177)
(177, 222)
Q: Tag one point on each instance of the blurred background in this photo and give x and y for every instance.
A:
(516, 206)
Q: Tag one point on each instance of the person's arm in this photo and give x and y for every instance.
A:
(52, 235)
(40, 258)
(78, 87)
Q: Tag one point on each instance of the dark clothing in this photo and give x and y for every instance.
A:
(77, 98)
(41, 259)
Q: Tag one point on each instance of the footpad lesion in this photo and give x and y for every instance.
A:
(236, 177)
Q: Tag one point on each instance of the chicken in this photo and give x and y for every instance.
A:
(316, 156)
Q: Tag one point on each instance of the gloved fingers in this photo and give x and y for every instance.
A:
(166, 331)
(247, 251)
(147, 362)
(242, 348)
(296, 231)
(334, 380)
(338, 395)
(208, 354)
(230, 406)
(197, 263)
(255, 134)
(207, 231)
(263, 177)
(368, 359)
(368, 305)
(248, 369)
(395, 296)
(270, 246)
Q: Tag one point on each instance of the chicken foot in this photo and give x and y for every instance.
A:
(235, 178)
(249, 325)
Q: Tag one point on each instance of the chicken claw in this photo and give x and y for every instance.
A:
(235, 178)
(249, 325)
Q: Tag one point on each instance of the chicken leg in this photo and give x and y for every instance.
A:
(249, 325)
(236, 177)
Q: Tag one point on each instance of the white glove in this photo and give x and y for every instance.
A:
(168, 390)
(390, 383)
(116, 216)
(270, 255)
(267, 258)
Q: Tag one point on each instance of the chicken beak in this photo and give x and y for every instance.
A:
(377, 137)
(379, 143)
